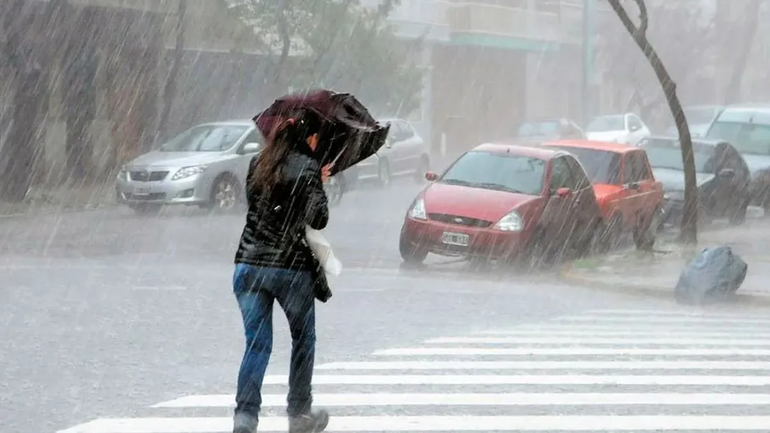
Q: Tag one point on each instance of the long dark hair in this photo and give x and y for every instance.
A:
(291, 133)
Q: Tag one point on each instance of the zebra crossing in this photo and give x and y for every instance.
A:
(601, 371)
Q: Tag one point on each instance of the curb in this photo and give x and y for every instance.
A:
(651, 291)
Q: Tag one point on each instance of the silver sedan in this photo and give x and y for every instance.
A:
(205, 166)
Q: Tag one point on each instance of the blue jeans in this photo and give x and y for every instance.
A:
(255, 289)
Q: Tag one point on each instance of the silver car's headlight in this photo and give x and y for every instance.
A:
(510, 223)
(186, 172)
(418, 210)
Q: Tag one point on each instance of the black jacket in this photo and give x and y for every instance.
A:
(274, 235)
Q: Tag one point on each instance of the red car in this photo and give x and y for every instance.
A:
(502, 201)
(628, 194)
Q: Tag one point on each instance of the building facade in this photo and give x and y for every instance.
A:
(491, 64)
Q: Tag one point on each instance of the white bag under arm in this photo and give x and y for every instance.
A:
(322, 250)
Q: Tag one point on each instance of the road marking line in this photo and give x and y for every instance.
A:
(562, 331)
(566, 379)
(680, 319)
(438, 423)
(464, 351)
(547, 365)
(160, 288)
(636, 341)
(475, 399)
(678, 313)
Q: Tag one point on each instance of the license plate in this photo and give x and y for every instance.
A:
(142, 190)
(458, 239)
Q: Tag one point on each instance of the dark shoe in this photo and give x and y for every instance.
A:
(244, 423)
(312, 422)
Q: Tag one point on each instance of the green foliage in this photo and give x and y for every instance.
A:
(342, 45)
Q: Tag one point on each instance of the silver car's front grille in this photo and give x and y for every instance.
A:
(148, 176)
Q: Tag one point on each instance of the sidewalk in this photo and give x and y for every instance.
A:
(57, 200)
(656, 274)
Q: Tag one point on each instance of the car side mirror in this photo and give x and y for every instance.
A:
(250, 148)
(563, 192)
(431, 176)
(726, 173)
(634, 128)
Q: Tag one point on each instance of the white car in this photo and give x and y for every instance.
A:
(619, 128)
(405, 154)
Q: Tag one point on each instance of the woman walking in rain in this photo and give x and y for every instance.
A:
(273, 263)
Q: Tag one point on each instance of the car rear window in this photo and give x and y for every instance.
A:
(537, 129)
(505, 172)
(750, 138)
(607, 123)
(600, 166)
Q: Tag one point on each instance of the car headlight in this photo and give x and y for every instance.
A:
(666, 197)
(123, 173)
(510, 223)
(186, 172)
(418, 210)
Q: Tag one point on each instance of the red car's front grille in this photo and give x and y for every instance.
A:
(459, 220)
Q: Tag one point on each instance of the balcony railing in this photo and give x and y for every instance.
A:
(424, 12)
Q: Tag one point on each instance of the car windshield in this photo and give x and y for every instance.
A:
(699, 116)
(600, 166)
(503, 172)
(206, 138)
(750, 138)
(607, 123)
(537, 129)
(667, 154)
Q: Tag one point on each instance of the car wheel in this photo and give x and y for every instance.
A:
(225, 194)
(585, 239)
(422, 169)
(412, 253)
(539, 253)
(644, 235)
(609, 234)
(383, 173)
(705, 218)
(738, 216)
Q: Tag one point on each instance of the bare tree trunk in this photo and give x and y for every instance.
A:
(172, 81)
(689, 231)
(733, 90)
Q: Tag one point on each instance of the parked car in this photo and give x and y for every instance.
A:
(699, 118)
(549, 129)
(747, 128)
(504, 202)
(722, 175)
(404, 154)
(627, 192)
(619, 128)
(204, 166)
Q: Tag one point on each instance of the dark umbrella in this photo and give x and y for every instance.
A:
(351, 135)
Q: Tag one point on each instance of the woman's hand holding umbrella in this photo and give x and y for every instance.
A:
(326, 172)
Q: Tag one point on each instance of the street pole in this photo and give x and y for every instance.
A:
(588, 59)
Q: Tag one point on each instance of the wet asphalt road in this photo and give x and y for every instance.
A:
(105, 313)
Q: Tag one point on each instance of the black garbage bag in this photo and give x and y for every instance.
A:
(713, 276)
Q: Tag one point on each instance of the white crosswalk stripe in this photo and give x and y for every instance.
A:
(604, 371)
